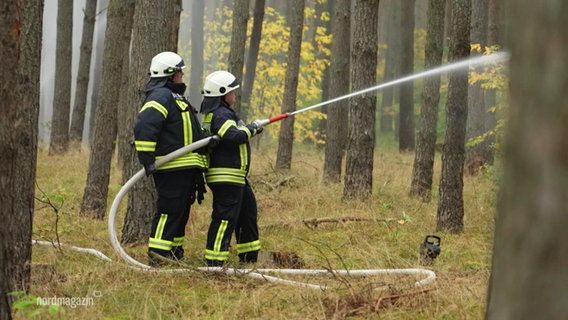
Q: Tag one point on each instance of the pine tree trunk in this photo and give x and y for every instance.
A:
(238, 41)
(20, 28)
(423, 169)
(82, 86)
(406, 119)
(339, 85)
(450, 205)
(286, 134)
(59, 142)
(196, 67)
(529, 275)
(252, 58)
(102, 148)
(359, 162)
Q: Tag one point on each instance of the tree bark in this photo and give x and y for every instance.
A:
(529, 276)
(196, 67)
(20, 34)
(238, 41)
(450, 204)
(286, 134)
(152, 21)
(59, 142)
(478, 154)
(252, 58)
(338, 112)
(82, 86)
(423, 169)
(391, 65)
(102, 148)
(359, 162)
(406, 118)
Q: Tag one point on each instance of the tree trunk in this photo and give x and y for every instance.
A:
(423, 169)
(196, 66)
(406, 119)
(252, 58)
(97, 67)
(102, 148)
(450, 205)
(476, 125)
(338, 112)
(361, 143)
(20, 33)
(152, 20)
(493, 39)
(59, 142)
(82, 86)
(286, 134)
(238, 41)
(529, 276)
(391, 66)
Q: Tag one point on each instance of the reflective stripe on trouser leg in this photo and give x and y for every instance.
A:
(226, 206)
(156, 241)
(246, 229)
(174, 190)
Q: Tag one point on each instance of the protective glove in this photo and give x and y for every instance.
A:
(213, 142)
(150, 169)
(200, 187)
(257, 127)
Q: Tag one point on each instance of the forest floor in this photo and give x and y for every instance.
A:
(382, 232)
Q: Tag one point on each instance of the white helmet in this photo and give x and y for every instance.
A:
(166, 64)
(219, 83)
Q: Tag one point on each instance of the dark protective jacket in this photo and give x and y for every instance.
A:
(229, 162)
(166, 123)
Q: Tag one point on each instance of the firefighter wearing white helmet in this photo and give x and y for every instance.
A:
(219, 83)
(234, 203)
(165, 123)
(166, 64)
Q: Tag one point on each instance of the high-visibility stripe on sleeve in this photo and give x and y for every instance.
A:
(228, 124)
(145, 146)
(154, 104)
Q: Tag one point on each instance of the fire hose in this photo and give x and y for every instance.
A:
(429, 276)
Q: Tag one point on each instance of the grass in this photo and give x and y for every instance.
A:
(395, 227)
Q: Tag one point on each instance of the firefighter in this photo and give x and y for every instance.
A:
(234, 203)
(165, 123)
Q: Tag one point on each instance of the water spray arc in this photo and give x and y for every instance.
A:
(493, 58)
(428, 275)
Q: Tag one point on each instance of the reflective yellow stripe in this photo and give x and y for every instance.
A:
(216, 255)
(187, 132)
(244, 156)
(154, 104)
(206, 122)
(248, 247)
(228, 124)
(160, 244)
(220, 234)
(231, 175)
(188, 160)
(145, 146)
(160, 226)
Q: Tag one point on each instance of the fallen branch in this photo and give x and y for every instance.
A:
(312, 223)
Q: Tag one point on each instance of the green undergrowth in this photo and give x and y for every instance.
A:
(298, 214)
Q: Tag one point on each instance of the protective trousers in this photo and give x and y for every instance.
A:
(176, 193)
(234, 210)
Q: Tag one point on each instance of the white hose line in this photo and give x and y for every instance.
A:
(430, 276)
